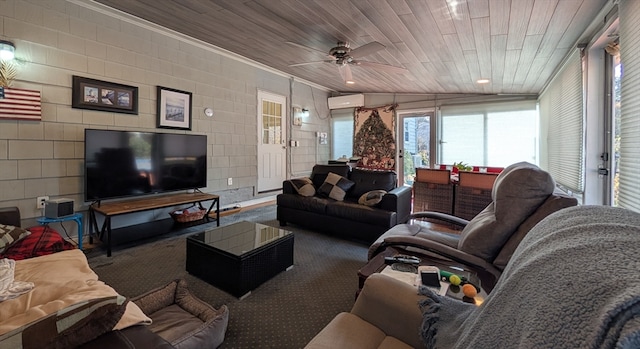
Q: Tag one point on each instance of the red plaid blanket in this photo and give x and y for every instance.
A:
(43, 240)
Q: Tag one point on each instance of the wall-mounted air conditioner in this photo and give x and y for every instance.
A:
(348, 101)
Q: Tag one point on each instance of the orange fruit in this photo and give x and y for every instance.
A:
(469, 290)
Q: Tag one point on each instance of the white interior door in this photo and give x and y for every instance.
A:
(272, 149)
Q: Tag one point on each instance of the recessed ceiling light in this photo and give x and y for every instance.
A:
(483, 81)
(350, 82)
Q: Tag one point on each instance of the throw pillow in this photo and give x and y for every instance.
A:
(335, 187)
(68, 327)
(371, 198)
(43, 240)
(303, 186)
(9, 234)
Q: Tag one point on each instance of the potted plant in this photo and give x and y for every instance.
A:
(462, 166)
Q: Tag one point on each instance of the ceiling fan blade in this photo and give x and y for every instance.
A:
(308, 63)
(345, 72)
(311, 49)
(380, 66)
(366, 49)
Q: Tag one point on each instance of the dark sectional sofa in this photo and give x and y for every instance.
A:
(347, 218)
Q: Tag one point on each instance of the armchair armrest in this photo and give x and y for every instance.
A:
(439, 249)
(287, 188)
(392, 306)
(440, 216)
(398, 200)
(10, 216)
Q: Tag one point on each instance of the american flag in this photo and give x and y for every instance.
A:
(21, 104)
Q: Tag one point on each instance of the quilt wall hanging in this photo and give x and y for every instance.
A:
(374, 137)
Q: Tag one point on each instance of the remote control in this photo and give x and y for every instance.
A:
(402, 259)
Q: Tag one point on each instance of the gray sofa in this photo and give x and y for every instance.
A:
(347, 218)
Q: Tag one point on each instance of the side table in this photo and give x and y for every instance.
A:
(377, 264)
(76, 217)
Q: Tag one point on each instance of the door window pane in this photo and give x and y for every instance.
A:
(271, 122)
(417, 137)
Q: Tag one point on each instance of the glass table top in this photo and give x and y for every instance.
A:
(241, 237)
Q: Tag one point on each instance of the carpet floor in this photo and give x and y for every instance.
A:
(284, 312)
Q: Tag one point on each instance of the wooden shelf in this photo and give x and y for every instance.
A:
(144, 204)
(115, 208)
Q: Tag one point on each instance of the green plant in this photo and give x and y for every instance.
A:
(8, 73)
(462, 166)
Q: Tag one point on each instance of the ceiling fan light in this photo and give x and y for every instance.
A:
(7, 50)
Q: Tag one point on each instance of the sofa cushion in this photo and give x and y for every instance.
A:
(9, 234)
(371, 198)
(335, 186)
(310, 204)
(69, 327)
(360, 213)
(347, 331)
(368, 180)
(319, 172)
(303, 186)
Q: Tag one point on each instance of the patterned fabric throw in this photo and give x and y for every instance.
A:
(10, 234)
(335, 187)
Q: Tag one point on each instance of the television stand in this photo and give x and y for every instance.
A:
(116, 208)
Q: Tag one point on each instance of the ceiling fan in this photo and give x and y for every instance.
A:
(344, 56)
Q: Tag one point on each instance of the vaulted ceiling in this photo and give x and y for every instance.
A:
(432, 46)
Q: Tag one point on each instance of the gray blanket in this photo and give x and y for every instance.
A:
(572, 283)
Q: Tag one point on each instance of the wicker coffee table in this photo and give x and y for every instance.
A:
(239, 257)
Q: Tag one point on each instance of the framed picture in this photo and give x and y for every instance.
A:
(174, 108)
(104, 96)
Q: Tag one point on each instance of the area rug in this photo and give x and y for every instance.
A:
(285, 312)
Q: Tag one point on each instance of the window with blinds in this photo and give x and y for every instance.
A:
(629, 165)
(489, 134)
(342, 133)
(561, 108)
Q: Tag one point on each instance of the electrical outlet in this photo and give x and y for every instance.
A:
(229, 181)
(41, 200)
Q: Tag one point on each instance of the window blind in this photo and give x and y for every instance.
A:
(342, 132)
(629, 165)
(489, 134)
(561, 105)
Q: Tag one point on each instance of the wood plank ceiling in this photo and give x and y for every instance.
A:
(444, 45)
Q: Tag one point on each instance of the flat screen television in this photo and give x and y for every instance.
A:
(122, 164)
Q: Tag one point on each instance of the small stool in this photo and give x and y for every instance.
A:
(181, 318)
(77, 217)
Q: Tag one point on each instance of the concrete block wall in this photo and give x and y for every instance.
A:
(56, 39)
(309, 152)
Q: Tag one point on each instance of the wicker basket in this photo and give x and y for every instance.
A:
(181, 217)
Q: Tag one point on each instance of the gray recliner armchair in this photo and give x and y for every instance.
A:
(570, 284)
(523, 194)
